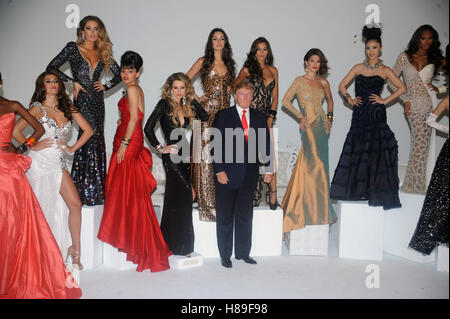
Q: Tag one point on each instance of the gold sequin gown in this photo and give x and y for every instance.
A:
(215, 87)
(306, 200)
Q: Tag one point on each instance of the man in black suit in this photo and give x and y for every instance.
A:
(245, 144)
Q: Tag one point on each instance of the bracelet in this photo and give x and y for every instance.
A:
(330, 115)
(124, 145)
(30, 141)
(347, 96)
(272, 112)
(159, 148)
(442, 89)
(108, 85)
(23, 148)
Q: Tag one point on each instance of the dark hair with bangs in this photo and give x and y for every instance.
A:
(131, 59)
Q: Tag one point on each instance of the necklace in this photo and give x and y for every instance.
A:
(373, 66)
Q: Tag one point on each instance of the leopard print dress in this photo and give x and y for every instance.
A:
(215, 86)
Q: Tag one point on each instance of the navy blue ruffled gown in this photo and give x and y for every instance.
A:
(368, 166)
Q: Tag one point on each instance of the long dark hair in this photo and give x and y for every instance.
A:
(323, 69)
(252, 64)
(434, 52)
(227, 56)
(64, 103)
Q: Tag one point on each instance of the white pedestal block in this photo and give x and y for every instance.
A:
(91, 247)
(117, 260)
(360, 230)
(182, 262)
(311, 240)
(399, 227)
(266, 234)
(205, 242)
(442, 258)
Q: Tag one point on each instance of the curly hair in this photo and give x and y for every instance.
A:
(227, 56)
(103, 45)
(65, 104)
(434, 52)
(323, 69)
(252, 64)
(167, 95)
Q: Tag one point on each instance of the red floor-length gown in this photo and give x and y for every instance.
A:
(129, 221)
(31, 265)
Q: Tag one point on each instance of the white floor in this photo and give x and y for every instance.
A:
(286, 277)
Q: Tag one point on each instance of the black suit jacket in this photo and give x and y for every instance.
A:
(239, 158)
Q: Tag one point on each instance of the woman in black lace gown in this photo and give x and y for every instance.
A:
(368, 166)
(176, 111)
(259, 69)
(88, 57)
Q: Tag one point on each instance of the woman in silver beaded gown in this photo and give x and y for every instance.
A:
(88, 57)
(48, 175)
(259, 69)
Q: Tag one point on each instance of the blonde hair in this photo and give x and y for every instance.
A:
(103, 45)
(167, 95)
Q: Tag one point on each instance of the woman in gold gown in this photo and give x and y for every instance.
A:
(307, 200)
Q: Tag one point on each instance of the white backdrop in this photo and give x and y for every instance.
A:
(170, 35)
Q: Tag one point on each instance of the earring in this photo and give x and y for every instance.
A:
(82, 37)
(183, 100)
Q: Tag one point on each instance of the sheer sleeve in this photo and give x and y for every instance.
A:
(60, 59)
(200, 112)
(115, 69)
(289, 96)
(154, 118)
(398, 69)
(431, 121)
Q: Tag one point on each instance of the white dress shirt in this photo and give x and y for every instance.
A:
(247, 113)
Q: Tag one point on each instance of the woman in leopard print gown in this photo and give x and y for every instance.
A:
(217, 71)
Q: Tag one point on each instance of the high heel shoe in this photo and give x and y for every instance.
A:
(75, 256)
(273, 206)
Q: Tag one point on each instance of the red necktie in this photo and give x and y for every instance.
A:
(245, 125)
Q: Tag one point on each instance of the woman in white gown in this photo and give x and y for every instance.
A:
(418, 65)
(48, 173)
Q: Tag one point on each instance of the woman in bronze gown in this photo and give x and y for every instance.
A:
(88, 57)
(217, 71)
(176, 111)
(259, 69)
(307, 200)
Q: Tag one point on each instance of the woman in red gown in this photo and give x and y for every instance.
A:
(129, 222)
(31, 265)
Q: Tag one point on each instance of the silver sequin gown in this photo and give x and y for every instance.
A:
(89, 163)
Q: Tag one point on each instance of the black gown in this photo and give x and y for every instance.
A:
(176, 220)
(262, 100)
(89, 163)
(432, 227)
(368, 166)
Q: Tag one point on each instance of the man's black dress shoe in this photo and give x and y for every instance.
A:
(226, 262)
(248, 260)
